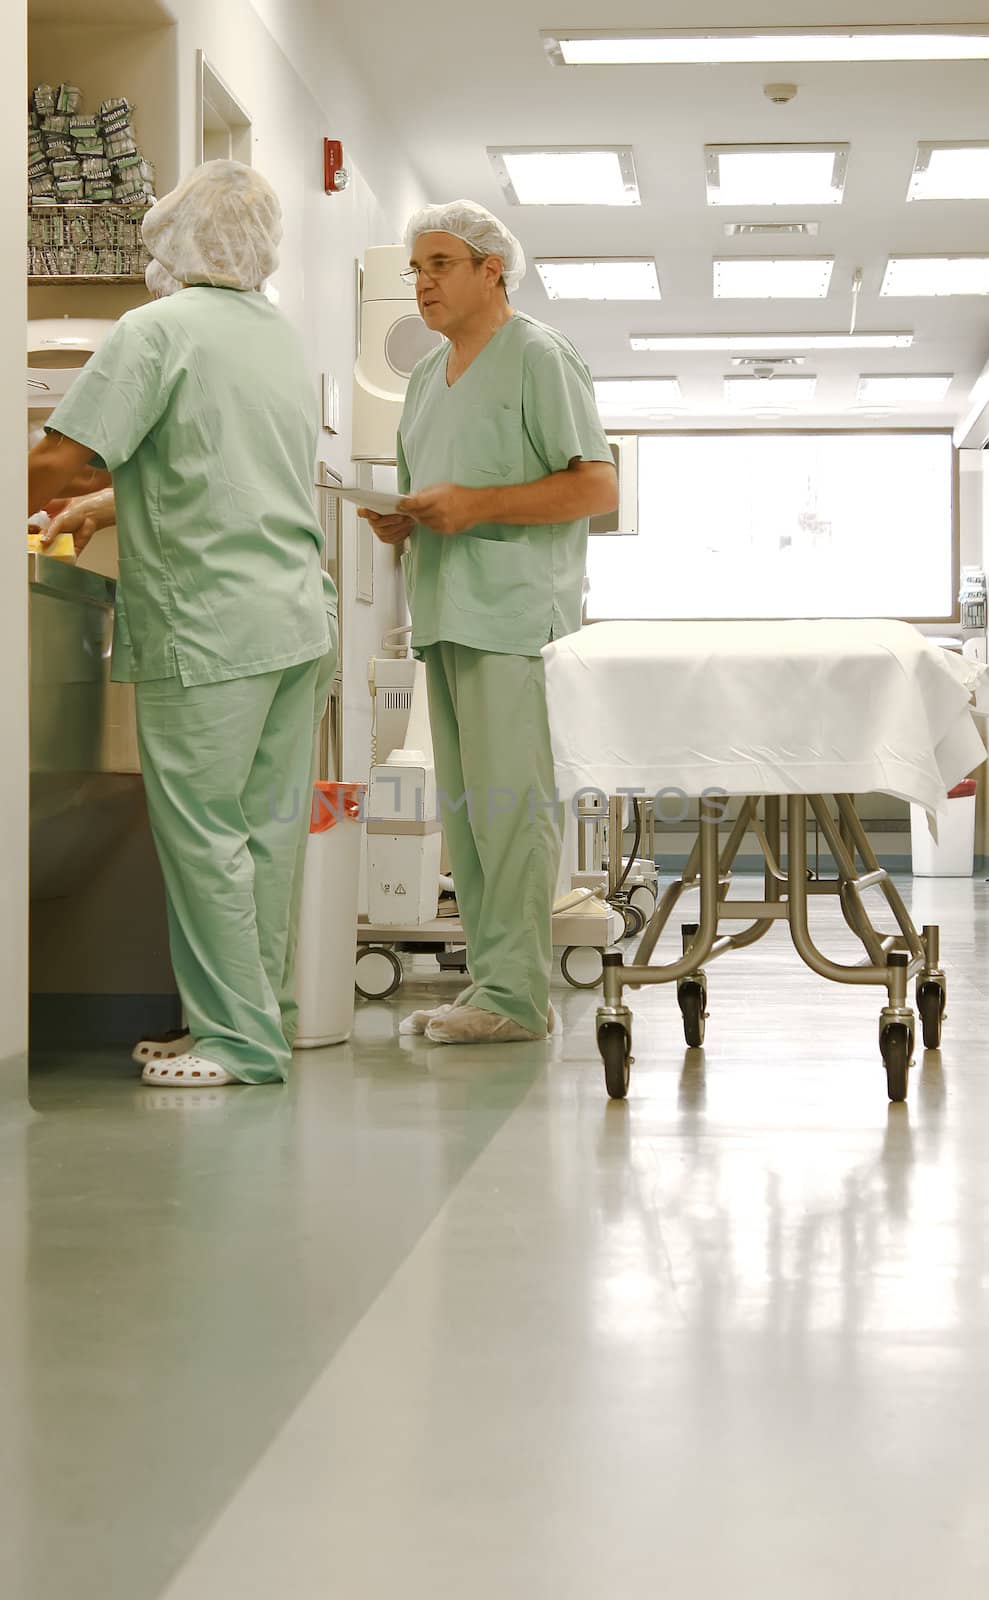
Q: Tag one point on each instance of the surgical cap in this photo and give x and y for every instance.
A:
(483, 232)
(160, 281)
(221, 227)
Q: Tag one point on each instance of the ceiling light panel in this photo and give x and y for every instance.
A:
(629, 396)
(767, 343)
(567, 175)
(776, 175)
(776, 278)
(884, 389)
(762, 230)
(777, 393)
(613, 279)
(950, 172)
(935, 275)
(580, 47)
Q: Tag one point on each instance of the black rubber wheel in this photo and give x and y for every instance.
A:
(377, 982)
(615, 1047)
(897, 1049)
(930, 1004)
(692, 1000)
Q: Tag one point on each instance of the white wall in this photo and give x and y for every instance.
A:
(13, 588)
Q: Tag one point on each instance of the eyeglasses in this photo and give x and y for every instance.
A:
(438, 267)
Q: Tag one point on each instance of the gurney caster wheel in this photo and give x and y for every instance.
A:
(896, 1043)
(582, 965)
(379, 972)
(615, 1047)
(931, 1000)
(692, 1000)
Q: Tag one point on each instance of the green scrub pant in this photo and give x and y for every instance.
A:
(228, 771)
(494, 772)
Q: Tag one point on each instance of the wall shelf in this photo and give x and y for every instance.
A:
(42, 280)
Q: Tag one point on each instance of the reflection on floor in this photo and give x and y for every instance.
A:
(439, 1322)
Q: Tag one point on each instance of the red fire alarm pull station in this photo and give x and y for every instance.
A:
(335, 174)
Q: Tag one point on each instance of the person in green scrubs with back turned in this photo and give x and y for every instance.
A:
(502, 459)
(203, 410)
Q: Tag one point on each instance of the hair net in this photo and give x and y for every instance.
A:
(483, 232)
(222, 227)
(160, 281)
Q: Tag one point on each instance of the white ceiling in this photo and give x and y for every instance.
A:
(462, 80)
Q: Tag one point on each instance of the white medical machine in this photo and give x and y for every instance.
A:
(393, 338)
(404, 855)
(57, 347)
(404, 840)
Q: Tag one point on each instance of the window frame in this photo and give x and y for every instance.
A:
(953, 619)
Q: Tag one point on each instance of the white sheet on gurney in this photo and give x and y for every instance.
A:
(792, 707)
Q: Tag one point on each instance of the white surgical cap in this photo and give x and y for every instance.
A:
(483, 232)
(160, 281)
(222, 227)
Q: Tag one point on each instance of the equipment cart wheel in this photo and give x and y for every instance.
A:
(931, 1000)
(643, 901)
(616, 1053)
(582, 965)
(896, 1043)
(692, 1000)
(379, 972)
(634, 920)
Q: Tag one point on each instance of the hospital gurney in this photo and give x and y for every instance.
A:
(784, 715)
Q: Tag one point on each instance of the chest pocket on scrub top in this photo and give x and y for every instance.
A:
(492, 577)
(488, 448)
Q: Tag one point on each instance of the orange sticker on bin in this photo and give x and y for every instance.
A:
(333, 802)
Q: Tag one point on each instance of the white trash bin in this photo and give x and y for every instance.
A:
(327, 952)
(952, 854)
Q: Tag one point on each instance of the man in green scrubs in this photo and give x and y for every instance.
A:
(502, 459)
(203, 410)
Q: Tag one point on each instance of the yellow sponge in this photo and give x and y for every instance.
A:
(62, 550)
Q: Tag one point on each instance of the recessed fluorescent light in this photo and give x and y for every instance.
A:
(936, 275)
(766, 343)
(760, 230)
(902, 389)
(776, 175)
(950, 172)
(615, 279)
(775, 392)
(772, 279)
(630, 395)
(580, 47)
(567, 175)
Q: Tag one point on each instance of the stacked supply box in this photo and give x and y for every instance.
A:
(92, 164)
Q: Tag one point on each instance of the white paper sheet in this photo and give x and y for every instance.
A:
(370, 499)
(760, 708)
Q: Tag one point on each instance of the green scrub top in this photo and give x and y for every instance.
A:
(523, 409)
(202, 408)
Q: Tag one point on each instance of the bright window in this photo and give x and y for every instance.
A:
(784, 525)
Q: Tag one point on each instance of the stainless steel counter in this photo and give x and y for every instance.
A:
(85, 774)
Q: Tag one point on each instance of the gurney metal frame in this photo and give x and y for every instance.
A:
(891, 960)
